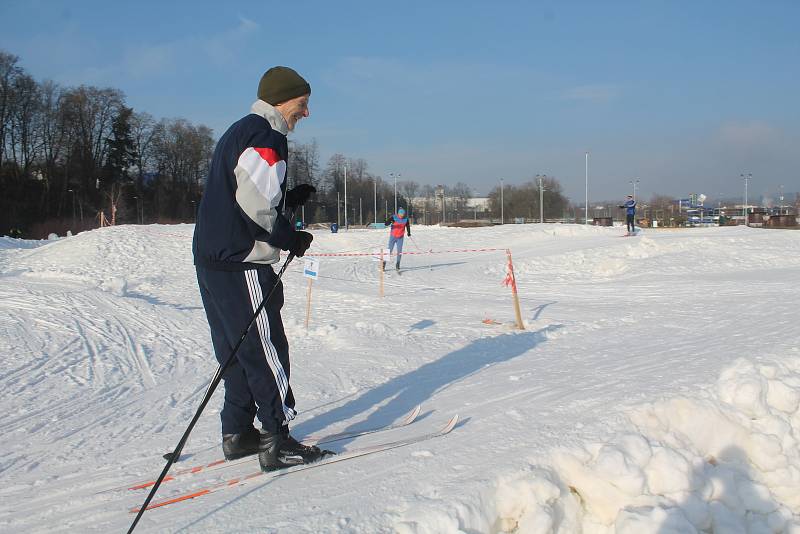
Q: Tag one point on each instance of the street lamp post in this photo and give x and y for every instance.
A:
(73, 206)
(586, 218)
(395, 176)
(746, 179)
(541, 196)
(502, 214)
(375, 184)
(634, 183)
(345, 196)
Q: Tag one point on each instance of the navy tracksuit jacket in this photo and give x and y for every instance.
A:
(239, 234)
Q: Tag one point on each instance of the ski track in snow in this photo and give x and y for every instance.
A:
(655, 388)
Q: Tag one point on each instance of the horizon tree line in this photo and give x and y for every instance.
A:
(74, 158)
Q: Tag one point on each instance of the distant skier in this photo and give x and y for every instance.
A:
(630, 214)
(400, 226)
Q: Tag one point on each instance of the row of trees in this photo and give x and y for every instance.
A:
(529, 200)
(348, 192)
(72, 158)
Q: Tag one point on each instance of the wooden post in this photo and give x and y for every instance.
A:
(308, 301)
(512, 281)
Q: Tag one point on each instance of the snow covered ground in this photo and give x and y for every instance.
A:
(655, 388)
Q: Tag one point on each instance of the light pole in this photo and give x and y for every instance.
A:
(746, 179)
(375, 184)
(345, 196)
(395, 176)
(444, 206)
(586, 218)
(502, 214)
(137, 208)
(634, 183)
(73, 206)
(541, 196)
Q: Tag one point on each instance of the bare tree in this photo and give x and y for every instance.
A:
(183, 155)
(409, 189)
(90, 111)
(9, 71)
(334, 174)
(144, 131)
(22, 137)
(303, 165)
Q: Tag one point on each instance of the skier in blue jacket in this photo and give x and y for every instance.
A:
(630, 214)
(243, 223)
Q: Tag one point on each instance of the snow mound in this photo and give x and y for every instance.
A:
(122, 260)
(727, 461)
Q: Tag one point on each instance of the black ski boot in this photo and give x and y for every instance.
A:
(383, 266)
(397, 266)
(280, 450)
(240, 445)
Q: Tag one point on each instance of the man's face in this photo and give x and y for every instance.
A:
(293, 110)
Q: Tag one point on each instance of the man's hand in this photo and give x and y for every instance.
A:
(302, 240)
(298, 196)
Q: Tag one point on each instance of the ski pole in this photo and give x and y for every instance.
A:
(171, 458)
(430, 265)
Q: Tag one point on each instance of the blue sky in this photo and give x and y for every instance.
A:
(683, 95)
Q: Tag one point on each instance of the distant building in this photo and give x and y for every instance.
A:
(479, 203)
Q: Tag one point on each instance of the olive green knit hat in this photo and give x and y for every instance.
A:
(280, 84)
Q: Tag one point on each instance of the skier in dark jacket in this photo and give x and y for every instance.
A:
(400, 226)
(630, 214)
(243, 223)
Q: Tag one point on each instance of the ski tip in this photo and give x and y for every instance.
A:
(412, 414)
(451, 424)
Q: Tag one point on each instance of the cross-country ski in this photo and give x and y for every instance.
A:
(347, 455)
(314, 440)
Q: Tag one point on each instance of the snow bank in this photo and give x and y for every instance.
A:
(726, 461)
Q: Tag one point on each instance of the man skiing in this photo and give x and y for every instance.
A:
(400, 226)
(630, 214)
(243, 223)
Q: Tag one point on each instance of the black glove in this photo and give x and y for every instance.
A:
(297, 196)
(302, 240)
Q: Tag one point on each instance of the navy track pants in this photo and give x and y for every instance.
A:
(257, 382)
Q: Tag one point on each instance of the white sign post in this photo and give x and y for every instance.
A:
(310, 271)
